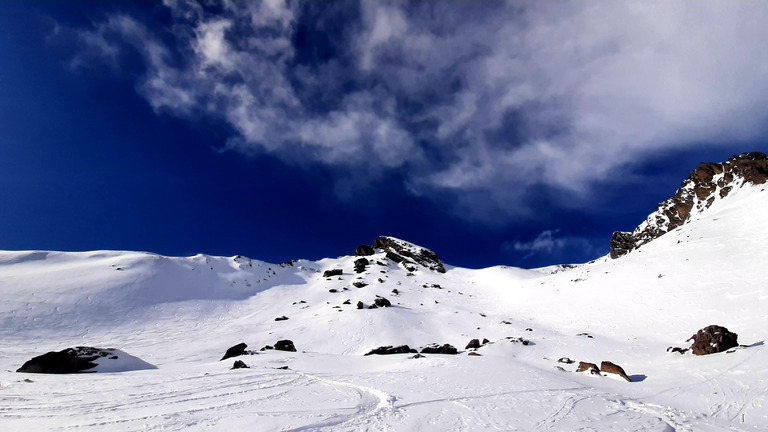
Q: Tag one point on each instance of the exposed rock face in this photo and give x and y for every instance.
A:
(439, 349)
(285, 345)
(588, 367)
(389, 349)
(364, 250)
(84, 360)
(707, 183)
(235, 351)
(613, 368)
(713, 339)
(402, 251)
(334, 272)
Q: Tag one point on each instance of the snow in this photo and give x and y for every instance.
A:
(181, 313)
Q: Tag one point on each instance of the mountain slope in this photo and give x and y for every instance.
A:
(181, 314)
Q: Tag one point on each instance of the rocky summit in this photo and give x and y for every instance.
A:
(407, 253)
(707, 183)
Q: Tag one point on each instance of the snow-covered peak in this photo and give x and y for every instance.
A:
(708, 183)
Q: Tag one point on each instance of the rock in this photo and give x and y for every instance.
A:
(588, 367)
(389, 349)
(239, 364)
(282, 318)
(360, 305)
(382, 302)
(359, 284)
(333, 272)
(364, 250)
(267, 347)
(485, 341)
(708, 182)
(565, 360)
(438, 349)
(83, 360)
(398, 250)
(346, 302)
(713, 339)
(473, 353)
(417, 356)
(473, 344)
(360, 264)
(678, 350)
(518, 340)
(333, 290)
(613, 368)
(285, 345)
(235, 351)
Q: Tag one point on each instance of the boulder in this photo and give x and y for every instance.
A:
(235, 351)
(361, 264)
(389, 349)
(588, 367)
(473, 344)
(613, 368)
(439, 349)
(360, 305)
(333, 272)
(239, 364)
(359, 284)
(281, 318)
(713, 339)
(382, 302)
(364, 250)
(285, 345)
(84, 360)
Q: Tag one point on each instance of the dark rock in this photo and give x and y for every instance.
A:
(485, 341)
(439, 349)
(359, 284)
(267, 347)
(239, 364)
(333, 290)
(360, 305)
(588, 367)
(70, 360)
(518, 340)
(361, 264)
(677, 350)
(696, 193)
(373, 306)
(417, 356)
(473, 344)
(235, 351)
(282, 318)
(382, 302)
(395, 292)
(713, 339)
(364, 250)
(285, 345)
(473, 353)
(613, 368)
(565, 360)
(346, 302)
(389, 349)
(282, 368)
(398, 250)
(333, 272)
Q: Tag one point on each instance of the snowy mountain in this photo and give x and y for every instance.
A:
(180, 315)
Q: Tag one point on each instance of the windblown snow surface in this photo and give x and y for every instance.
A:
(181, 314)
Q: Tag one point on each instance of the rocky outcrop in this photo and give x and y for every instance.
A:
(285, 345)
(706, 184)
(588, 367)
(235, 351)
(713, 339)
(439, 349)
(613, 368)
(364, 250)
(389, 349)
(473, 344)
(401, 251)
(84, 360)
(361, 264)
(333, 272)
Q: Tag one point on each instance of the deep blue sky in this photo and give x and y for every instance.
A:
(303, 130)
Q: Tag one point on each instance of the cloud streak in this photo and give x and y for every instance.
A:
(484, 103)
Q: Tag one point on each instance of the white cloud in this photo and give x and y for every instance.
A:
(505, 96)
(551, 243)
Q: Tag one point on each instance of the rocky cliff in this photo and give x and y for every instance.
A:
(708, 182)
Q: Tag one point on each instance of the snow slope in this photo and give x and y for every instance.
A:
(181, 314)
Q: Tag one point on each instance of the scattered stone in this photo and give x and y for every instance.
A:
(333, 290)
(282, 368)
(382, 302)
(588, 367)
(438, 349)
(565, 360)
(389, 349)
(364, 250)
(473, 344)
(485, 341)
(359, 284)
(586, 335)
(361, 264)
(281, 318)
(239, 364)
(518, 340)
(677, 350)
(346, 302)
(373, 306)
(360, 305)
(267, 347)
(474, 354)
(333, 272)
(713, 339)
(285, 345)
(235, 351)
(613, 368)
(417, 356)
(505, 322)
(395, 292)
(529, 329)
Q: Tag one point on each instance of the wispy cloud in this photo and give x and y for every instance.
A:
(552, 244)
(482, 102)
